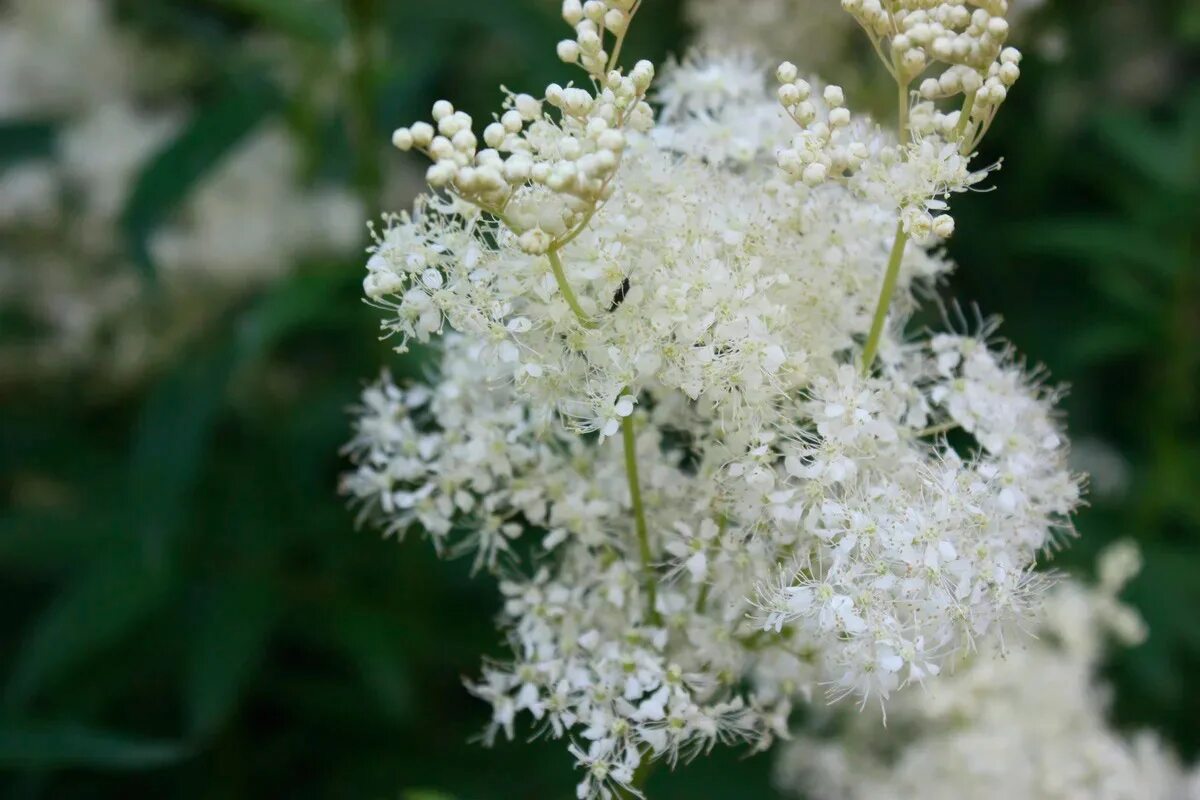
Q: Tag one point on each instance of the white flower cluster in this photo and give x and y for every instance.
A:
(69, 271)
(800, 499)
(931, 160)
(814, 33)
(715, 107)
(545, 178)
(1029, 722)
(904, 552)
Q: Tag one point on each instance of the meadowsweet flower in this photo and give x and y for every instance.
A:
(815, 33)
(673, 368)
(1028, 721)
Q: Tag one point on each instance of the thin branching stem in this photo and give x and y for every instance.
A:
(964, 120)
(885, 297)
(620, 39)
(649, 579)
(564, 287)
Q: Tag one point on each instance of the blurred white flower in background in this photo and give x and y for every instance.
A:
(1107, 469)
(67, 271)
(62, 56)
(248, 222)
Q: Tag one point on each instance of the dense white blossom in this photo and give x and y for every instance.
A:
(803, 502)
(1027, 722)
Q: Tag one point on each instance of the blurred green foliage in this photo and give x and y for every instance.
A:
(188, 609)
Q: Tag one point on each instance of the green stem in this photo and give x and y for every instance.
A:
(887, 63)
(903, 107)
(639, 776)
(639, 517)
(702, 599)
(934, 430)
(964, 118)
(620, 39)
(560, 277)
(885, 298)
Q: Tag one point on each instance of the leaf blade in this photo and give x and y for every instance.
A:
(170, 176)
(56, 746)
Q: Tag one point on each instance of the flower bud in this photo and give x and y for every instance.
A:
(402, 139)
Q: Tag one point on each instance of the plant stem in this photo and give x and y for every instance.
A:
(620, 39)
(885, 298)
(934, 430)
(639, 778)
(964, 118)
(903, 108)
(560, 277)
(639, 517)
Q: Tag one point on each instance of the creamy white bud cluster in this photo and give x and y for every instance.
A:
(542, 176)
(828, 147)
(816, 33)
(916, 178)
(594, 21)
(965, 40)
(800, 499)
(931, 160)
(1027, 723)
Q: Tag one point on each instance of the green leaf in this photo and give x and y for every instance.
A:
(55, 746)
(425, 794)
(1127, 292)
(24, 139)
(372, 645)
(1106, 342)
(1150, 150)
(169, 444)
(317, 20)
(175, 426)
(36, 541)
(229, 638)
(369, 641)
(97, 609)
(168, 178)
(299, 303)
(1188, 27)
(1099, 241)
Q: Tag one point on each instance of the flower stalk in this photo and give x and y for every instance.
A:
(564, 287)
(890, 277)
(649, 580)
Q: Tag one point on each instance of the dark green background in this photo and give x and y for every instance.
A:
(187, 608)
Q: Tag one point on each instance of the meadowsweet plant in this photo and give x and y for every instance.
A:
(677, 413)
